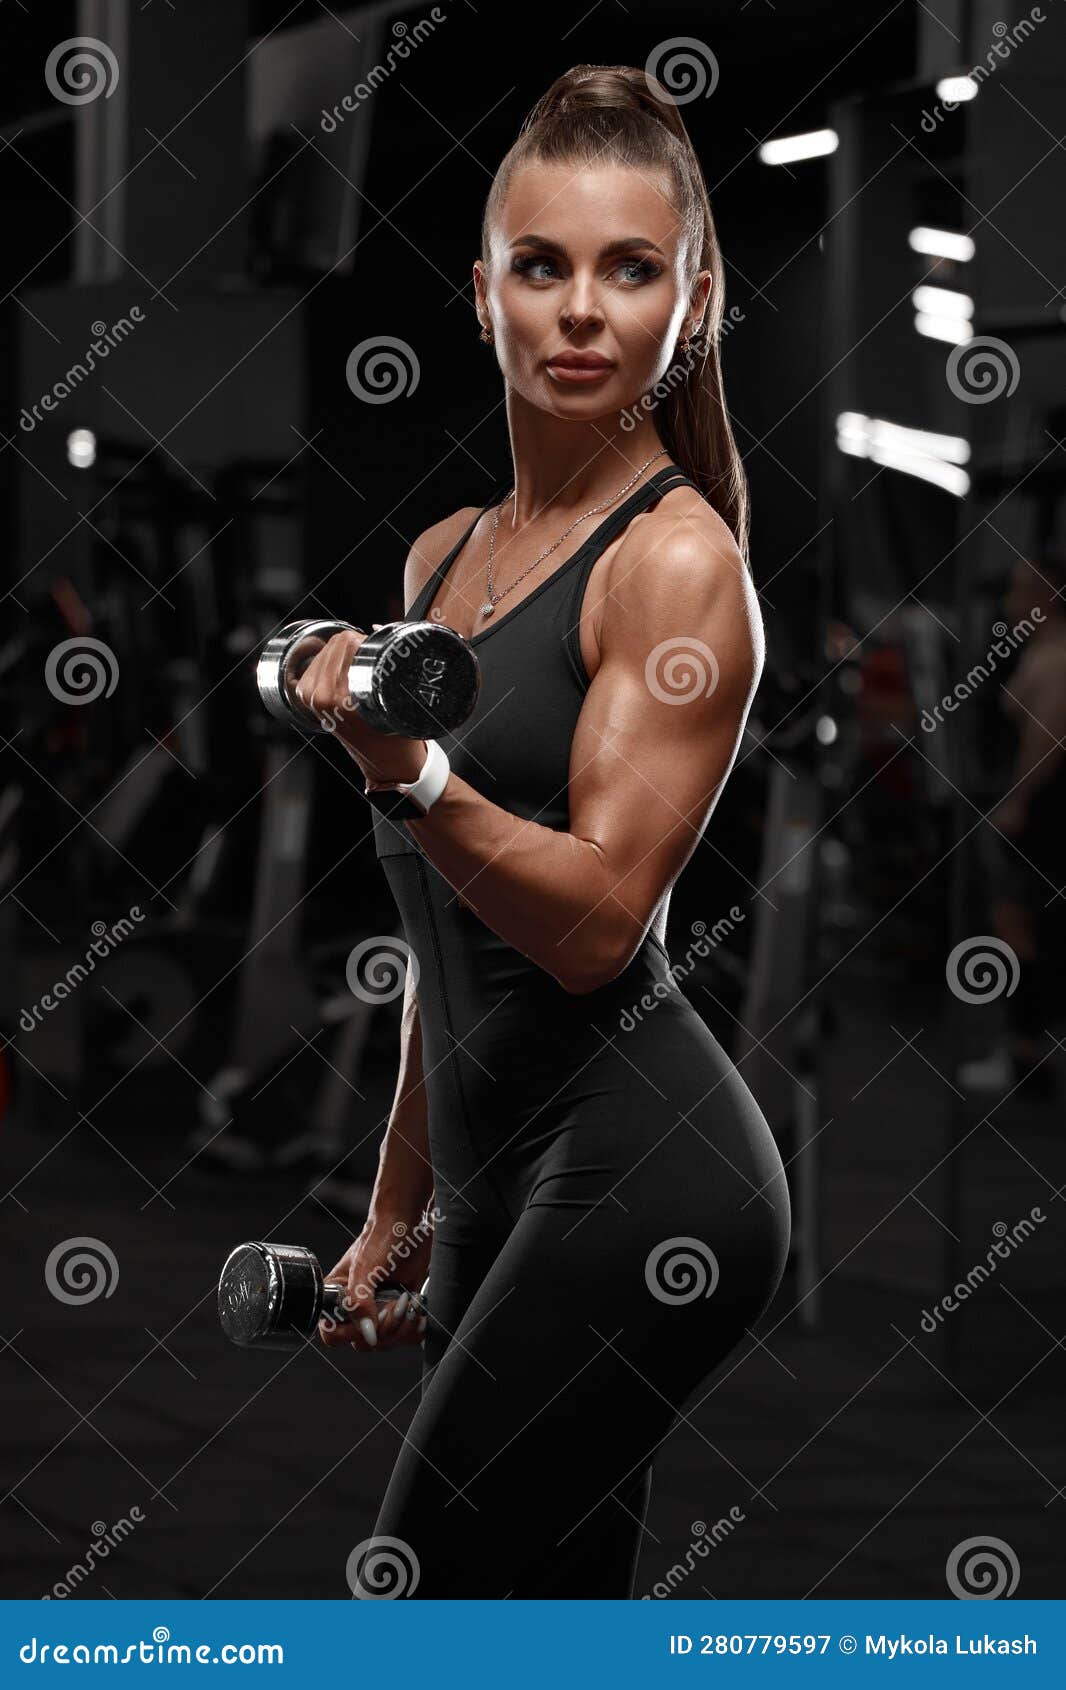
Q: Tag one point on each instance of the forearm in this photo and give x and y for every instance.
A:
(545, 892)
(404, 1182)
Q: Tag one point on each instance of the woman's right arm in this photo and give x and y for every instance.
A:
(403, 1189)
(394, 1245)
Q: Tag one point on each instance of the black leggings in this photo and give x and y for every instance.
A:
(593, 1264)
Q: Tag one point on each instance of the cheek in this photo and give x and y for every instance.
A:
(527, 320)
(643, 334)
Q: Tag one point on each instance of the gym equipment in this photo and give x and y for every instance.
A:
(414, 679)
(274, 1295)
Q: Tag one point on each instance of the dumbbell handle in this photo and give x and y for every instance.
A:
(333, 1291)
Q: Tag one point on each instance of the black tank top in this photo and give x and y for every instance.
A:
(514, 748)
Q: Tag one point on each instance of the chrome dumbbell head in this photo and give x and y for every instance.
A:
(284, 659)
(270, 1294)
(417, 679)
(274, 1295)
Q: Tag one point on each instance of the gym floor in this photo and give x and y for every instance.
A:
(858, 1452)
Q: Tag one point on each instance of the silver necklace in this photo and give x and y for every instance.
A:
(493, 599)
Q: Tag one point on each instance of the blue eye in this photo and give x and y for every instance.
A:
(525, 266)
(643, 269)
(646, 269)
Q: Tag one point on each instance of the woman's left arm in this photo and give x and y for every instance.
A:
(681, 647)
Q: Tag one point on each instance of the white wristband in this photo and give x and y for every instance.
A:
(433, 779)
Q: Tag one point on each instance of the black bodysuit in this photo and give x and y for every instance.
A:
(613, 1207)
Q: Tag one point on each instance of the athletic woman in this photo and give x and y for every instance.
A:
(610, 1212)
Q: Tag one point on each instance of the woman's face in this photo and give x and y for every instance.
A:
(587, 261)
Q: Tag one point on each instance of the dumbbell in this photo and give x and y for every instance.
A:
(414, 679)
(274, 1295)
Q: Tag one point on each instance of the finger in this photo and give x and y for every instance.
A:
(391, 1316)
(335, 1334)
(354, 1323)
(405, 1333)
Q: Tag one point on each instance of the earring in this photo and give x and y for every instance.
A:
(486, 335)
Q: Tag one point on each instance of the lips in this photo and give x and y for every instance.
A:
(579, 361)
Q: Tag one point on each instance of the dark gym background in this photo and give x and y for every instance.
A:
(215, 1075)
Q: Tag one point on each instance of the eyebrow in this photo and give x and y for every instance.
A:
(631, 243)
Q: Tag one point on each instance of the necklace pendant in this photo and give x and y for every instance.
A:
(487, 608)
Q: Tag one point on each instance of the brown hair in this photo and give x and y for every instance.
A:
(617, 115)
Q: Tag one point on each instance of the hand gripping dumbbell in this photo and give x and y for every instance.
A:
(415, 679)
(274, 1295)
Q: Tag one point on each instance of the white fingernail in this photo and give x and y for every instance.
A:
(401, 1303)
(369, 1330)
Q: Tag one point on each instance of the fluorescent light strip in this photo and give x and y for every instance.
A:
(956, 90)
(789, 149)
(942, 243)
(953, 329)
(942, 302)
(935, 458)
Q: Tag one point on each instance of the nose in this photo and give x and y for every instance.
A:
(582, 306)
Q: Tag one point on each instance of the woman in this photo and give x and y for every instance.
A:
(610, 1209)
